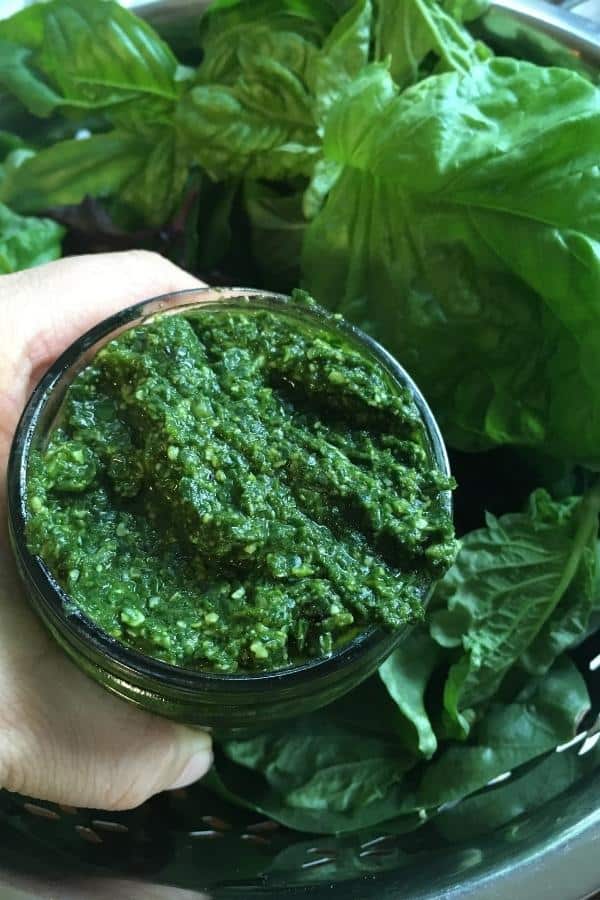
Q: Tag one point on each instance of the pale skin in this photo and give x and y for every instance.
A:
(62, 737)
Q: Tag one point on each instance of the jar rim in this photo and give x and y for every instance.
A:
(53, 385)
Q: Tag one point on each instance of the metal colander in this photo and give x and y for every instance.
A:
(190, 845)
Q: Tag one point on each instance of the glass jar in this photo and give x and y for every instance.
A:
(222, 701)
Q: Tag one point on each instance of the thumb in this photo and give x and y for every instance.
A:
(71, 742)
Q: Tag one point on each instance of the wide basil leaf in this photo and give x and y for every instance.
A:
(406, 674)
(261, 127)
(526, 790)
(26, 241)
(521, 592)
(409, 30)
(83, 54)
(250, 111)
(313, 775)
(269, 75)
(146, 178)
(545, 714)
(226, 27)
(464, 232)
(68, 171)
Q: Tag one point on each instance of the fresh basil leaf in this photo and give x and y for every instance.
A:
(248, 789)
(406, 674)
(526, 790)
(569, 623)
(154, 192)
(10, 142)
(277, 229)
(228, 26)
(144, 178)
(26, 241)
(257, 117)
(546, 713)
(342, 57)
(68, 171)
(82, 55)
(19, 79)
(290, 756)
(265, 85)
(409, 30)
(447, 626)
(315, 776)
(370, 710)
(464, 232)
(213, 221)
(324, 176)
(521, 590)
(15, 157)
(261, 128)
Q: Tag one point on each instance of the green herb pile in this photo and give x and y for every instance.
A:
(448, 201)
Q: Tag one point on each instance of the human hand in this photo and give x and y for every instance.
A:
(62, 737)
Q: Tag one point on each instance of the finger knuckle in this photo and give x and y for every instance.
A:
(132, 785)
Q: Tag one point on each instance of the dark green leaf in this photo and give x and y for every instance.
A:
(315, 776)
(569, 623)
(521, 591)
(277, 229)
(26, 241)
(406, 674)
(154, 192)
(213, 228)
(15, 158)
(9, 142)
(369, 709)
(546, 713)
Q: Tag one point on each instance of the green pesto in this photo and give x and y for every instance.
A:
(236, 489)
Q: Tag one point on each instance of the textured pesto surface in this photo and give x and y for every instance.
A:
(238, 490)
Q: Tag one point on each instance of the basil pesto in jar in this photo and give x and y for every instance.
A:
(238, 490)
